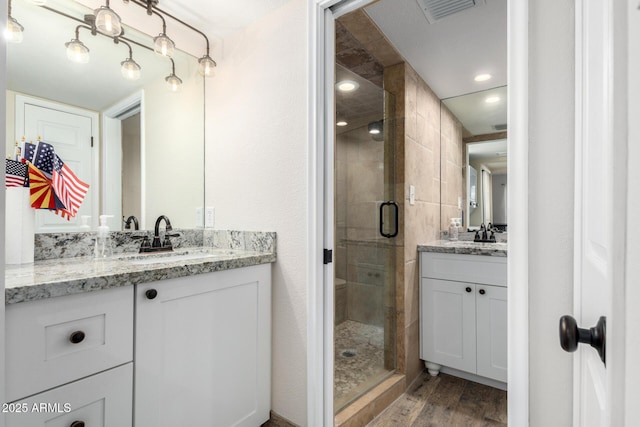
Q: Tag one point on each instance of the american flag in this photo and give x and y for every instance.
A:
(68, 188)
(16, 174)
(43, 157)
(28, 152)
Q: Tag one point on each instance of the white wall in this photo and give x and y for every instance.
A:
(256, 173)
(499, 195)
(551, 173)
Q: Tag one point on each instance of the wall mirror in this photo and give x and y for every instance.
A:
(147, 157)
(483, 116)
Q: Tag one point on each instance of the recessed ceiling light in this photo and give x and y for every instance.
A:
(347, 86)
(341, 123)
(374, 131)
(482, 77)
(492, 99)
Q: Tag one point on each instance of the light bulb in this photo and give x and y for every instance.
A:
(206, 66)
(77, 51)
(14, 31)
(174, 82)
(347, 86)
(130, 69)
(163, 45)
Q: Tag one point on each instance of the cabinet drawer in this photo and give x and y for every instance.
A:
(101, 400)
(464, 268)
(58, 340)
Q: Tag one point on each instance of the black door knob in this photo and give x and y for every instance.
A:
(76, 337)
(77, 424)
(151, 293)
(468, 289)
(571, 335)
(482, 291)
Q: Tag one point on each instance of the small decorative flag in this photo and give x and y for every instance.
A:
(41, 189)
(16, 174)
(43, 158)
(28, 152)
(68, 187)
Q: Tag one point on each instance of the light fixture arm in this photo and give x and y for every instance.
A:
(117, 40)
(173, 66)
(151, 5)
(83, 26)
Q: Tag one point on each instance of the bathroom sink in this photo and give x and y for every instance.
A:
(184, 255)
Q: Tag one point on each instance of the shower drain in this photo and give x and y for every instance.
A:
(348, 353)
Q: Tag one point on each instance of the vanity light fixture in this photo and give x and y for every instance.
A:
(341, 123)
(482, 77)
(162, 44)
(129, 68)
(492, 99)
(347, 85)
(172, 80)
(14, 32)
(107, 21)
(76, 50)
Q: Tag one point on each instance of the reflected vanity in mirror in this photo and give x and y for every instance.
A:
(138, 143)
(483, 116)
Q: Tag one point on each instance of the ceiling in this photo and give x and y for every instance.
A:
(450, 52)
(478, 116)
(220, 17)
(492, 154)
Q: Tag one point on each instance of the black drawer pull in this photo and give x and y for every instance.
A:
(482, 291)
(77, 337)
(468, 289)
(151, 293)
(77, 424)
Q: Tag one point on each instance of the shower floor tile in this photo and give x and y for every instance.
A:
(358, 360)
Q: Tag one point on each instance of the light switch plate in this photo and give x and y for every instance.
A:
(209, 218)
(412, 195)
(199, 217)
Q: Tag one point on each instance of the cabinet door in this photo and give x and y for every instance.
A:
(101, 400)
(448, 323)
(44, 349)
(492, 331)
(203, 355)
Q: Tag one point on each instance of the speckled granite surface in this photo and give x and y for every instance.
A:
(465, 248)
(69, 274)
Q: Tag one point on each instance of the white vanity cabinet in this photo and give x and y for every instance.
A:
(69, 359)
(203, 350)
(463, 308)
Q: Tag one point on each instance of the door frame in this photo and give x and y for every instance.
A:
(320, 234)
(111, 154)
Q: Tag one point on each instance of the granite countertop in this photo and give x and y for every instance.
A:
(465, 248)
(66, 276)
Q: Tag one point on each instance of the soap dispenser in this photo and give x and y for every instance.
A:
(84, 226)
(103, 246)
(453, 230)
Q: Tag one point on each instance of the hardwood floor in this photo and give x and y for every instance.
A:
(446, 401)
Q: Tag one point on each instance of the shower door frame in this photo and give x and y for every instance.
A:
(320, 319)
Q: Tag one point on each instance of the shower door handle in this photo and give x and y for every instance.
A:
(395, 207)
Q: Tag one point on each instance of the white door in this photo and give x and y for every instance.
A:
(72, 133)
(597, 205)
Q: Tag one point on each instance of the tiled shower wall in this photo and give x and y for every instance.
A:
(426, 137)
(360, 251)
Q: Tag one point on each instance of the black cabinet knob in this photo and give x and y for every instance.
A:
(151, 293)
(571, 335)
(76, 337)
(468, 289)
(482, 291)
(77, 424)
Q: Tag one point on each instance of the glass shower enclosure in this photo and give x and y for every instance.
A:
(366, 223)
